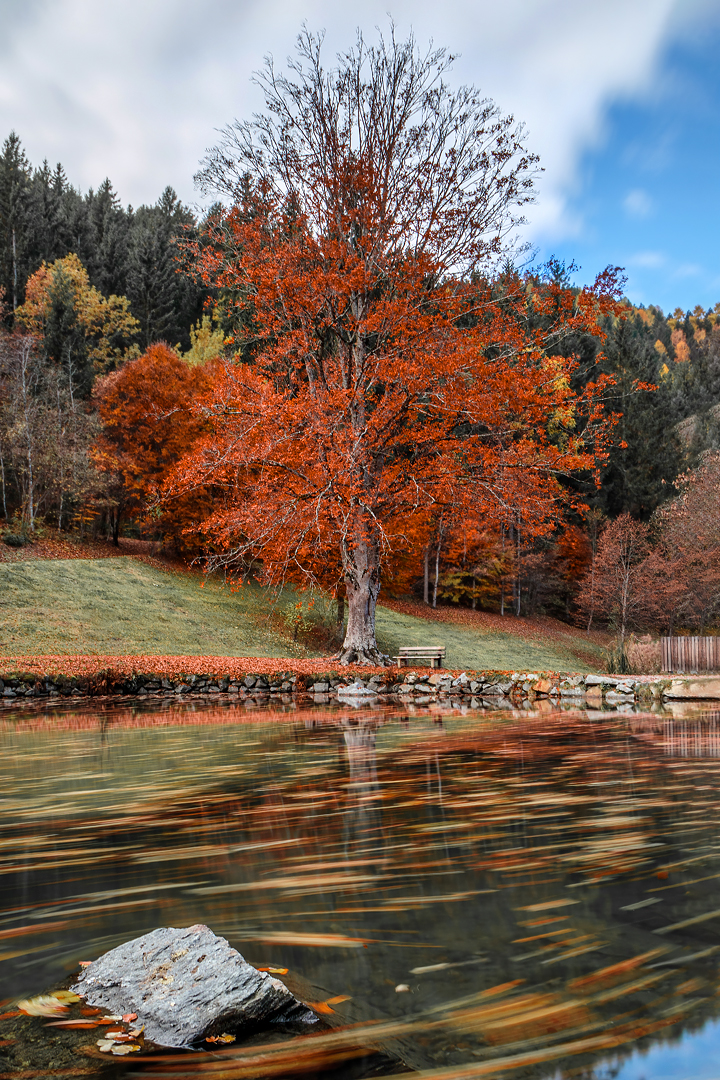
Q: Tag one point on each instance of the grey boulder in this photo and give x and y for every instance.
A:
(185, 985)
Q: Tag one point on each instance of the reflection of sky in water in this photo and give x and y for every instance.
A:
(693, 1057)
(544, 888)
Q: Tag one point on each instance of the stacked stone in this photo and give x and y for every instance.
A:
(474, 688)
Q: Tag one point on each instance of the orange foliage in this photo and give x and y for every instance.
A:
(148, 424)
(386, 376)
(337, 450)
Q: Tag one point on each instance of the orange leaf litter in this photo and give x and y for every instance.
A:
(232, 666)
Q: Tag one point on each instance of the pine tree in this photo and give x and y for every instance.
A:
(111, 226)
(15, 174)
(164, 301)
(646, 455)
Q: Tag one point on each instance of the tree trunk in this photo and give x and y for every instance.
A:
(361, 565)
(2, 470)
(519, 578)
(502, 567)
(116, 528)
(437, 572)
(426, 575)
(15, 271)
(624, 598)
(340, 620)
(591, 612)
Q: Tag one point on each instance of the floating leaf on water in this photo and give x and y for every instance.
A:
(320, 1007)
(611, 974)
(688, 922)
(127, 1018)
(547, 904)
(543, 922)
(337, 1000)
(111, 1019)
(43, 1005)
(124, 1048)
(72, 1024)
(66, 996)
(274, 970)
(319, 940)
(10, 1015)
(220, 1039)
(85, 963)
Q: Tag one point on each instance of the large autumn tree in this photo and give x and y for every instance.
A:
(383, 369)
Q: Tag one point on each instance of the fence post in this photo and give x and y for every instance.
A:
(685, 655)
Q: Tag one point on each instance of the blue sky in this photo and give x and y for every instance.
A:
(647, 196)
(621, 99)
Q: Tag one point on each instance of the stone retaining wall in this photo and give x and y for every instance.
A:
(481, 688)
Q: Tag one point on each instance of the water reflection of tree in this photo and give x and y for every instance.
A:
(362, 821)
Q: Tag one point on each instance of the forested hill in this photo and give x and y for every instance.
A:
(667, 385)
(92, 284)
(126, 252)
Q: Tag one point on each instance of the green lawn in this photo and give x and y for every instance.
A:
(125, 606)
(472, 650)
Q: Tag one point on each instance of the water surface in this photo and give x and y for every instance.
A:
(490, 894)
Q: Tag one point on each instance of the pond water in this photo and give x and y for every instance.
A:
(462, 895)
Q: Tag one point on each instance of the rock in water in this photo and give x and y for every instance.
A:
(185, 985)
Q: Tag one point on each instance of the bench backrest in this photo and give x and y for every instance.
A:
(422, 650)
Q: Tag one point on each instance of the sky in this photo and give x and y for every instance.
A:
(620, 98)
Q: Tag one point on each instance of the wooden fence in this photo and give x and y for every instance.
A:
(690, 654)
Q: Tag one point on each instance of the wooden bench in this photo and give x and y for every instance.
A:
(421, 654)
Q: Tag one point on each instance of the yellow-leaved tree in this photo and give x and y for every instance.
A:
(82, 333)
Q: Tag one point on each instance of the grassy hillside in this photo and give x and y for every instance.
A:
(125, 606)
(474, 649)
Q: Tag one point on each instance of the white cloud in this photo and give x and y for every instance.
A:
(647, 260)
(638, 204)
(136, 90)
(687, 270)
